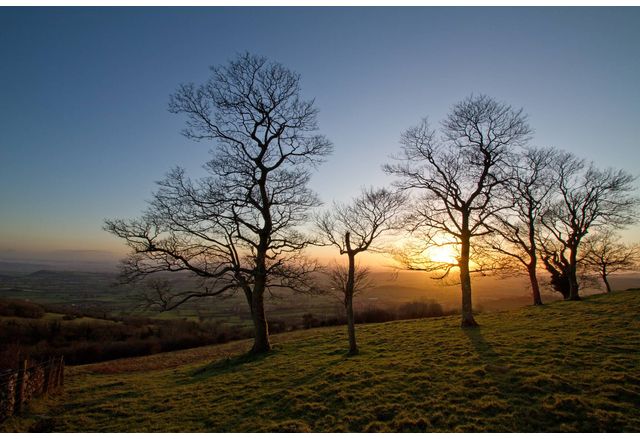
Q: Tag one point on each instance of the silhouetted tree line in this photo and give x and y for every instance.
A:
(20, 308)
(472, 182)
(417, 309)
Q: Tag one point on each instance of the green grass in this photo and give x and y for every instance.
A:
(568, 366)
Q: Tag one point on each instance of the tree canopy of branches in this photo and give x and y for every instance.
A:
(457, 176)
(587, 198)
(605, 254)
(352, 229)
(238, 228)
(529, 188)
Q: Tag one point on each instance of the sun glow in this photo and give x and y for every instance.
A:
(446, 254)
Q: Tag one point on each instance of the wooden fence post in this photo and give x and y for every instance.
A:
(54, 373)
(61, 371)
(48, 367)
(21, 385)
(58, 372)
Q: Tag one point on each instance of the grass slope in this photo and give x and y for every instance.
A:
(562, 367)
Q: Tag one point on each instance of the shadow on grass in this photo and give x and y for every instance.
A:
(509, 383)
(484, 349)
(227, 365)
(234, 363)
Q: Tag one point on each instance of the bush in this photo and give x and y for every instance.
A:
(420, 309)
(277, 326)
(21, 308)
(309, 321)
(374, 315)
(412, 310)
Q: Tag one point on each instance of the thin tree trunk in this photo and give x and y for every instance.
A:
(353, 347)
(465, 283)
(348, 297)
(533, 262)
(606, 283)
(605, 280)
(535, 286)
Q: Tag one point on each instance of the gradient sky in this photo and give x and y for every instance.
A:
(85, 130)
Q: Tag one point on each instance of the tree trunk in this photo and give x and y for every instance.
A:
(348, 301)
(605, 280)
(533, 260)
(465, 283)
(573, 274)
(348, 297)
(261, 342)
(535, 286)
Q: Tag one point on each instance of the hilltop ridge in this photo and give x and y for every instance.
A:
(567, 366)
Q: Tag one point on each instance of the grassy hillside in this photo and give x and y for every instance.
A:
(563, 367)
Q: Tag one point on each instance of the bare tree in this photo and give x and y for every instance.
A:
(554, 257)
(339, 279)
(604, 253)
(457, 177)
(238, 228)
(588, 198)
(530, 187)
(352, 229)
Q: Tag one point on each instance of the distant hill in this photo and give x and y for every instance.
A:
(13, 268)
(17, 268)
(68, 274)
(66, 260)
(563, 367)
(74, 288)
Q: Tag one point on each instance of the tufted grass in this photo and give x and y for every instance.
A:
(568, 366)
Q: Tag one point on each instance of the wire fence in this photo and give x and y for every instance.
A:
(30, 380)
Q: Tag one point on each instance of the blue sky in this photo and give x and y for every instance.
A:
(84, 91)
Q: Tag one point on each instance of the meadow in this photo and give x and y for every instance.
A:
(566, 366)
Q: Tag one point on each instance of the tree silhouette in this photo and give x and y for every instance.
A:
(605, 254)
(352, 229)
(553, 255)
(237, 229)
(457, 177)
(587, 198)
(529, 189)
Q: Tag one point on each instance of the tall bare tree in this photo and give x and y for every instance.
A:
(352, 229)
(606, 254)
(238, 228)
(588, 198)
(530, 187)
(457, 176)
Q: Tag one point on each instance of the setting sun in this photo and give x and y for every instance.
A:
(446, 254)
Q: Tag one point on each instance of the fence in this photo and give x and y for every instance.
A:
(31, 379)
